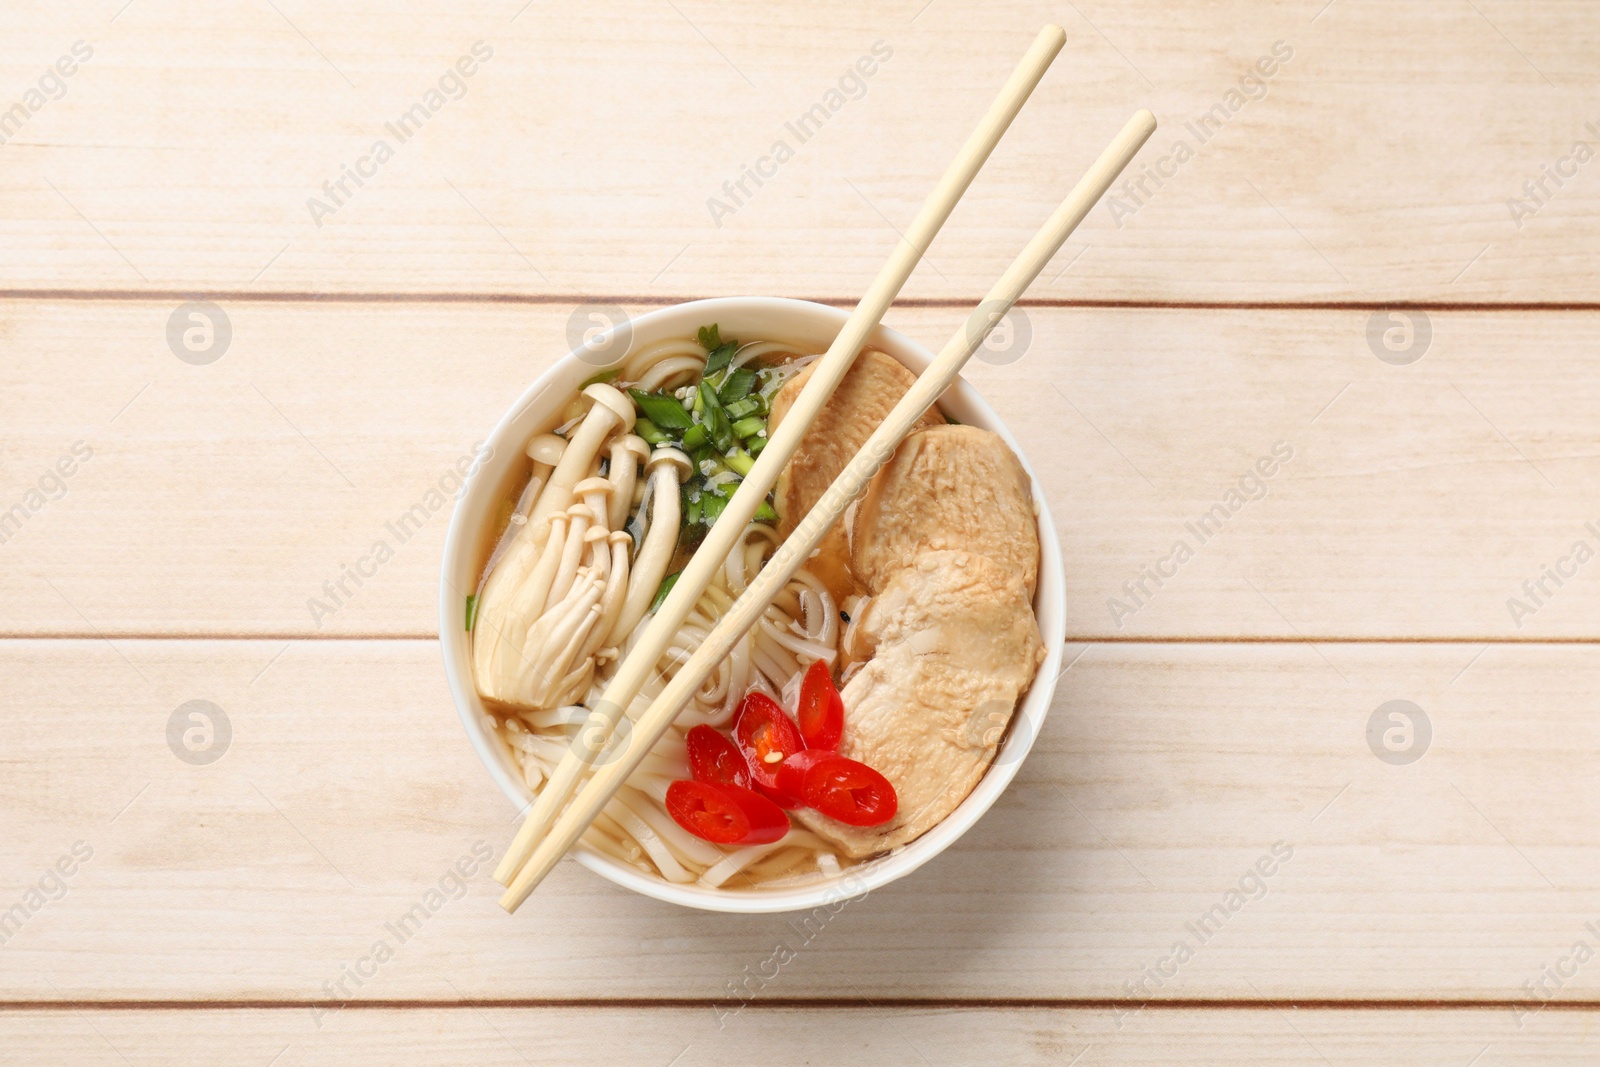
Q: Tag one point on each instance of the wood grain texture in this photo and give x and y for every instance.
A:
(1165, 775)
(1418, 500)
(1417, 152)
(1377, 161)
(870, 1034)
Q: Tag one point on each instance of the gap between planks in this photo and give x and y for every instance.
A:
(1265, 639)
(794, 1004)
(558, 299)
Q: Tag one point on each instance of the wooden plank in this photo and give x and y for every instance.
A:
(869, 1034)
(1418, 501)
(1164, 780)
(1379, 159)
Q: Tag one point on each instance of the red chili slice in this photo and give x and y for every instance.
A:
(712, 758)
(821, 710)
(768, 823)
(725, 814)
(766, 737)
(849, 791)
(792, 774)
(706, 811)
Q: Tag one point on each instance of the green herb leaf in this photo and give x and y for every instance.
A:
(720, 357)
(709, 337)
(472, 611)
(737, 386)
(603, 376)
(665, 411)
(666, 587)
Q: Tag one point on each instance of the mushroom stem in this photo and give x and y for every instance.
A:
(531, 599)
(617, 587)
(500, 633)
(666, 468)
(627, 452)
(596, 493)
(611, 410)
(519, 541)
(576, 684)
(554, 635)
(559, 666)
(572, 552)
(512, 578)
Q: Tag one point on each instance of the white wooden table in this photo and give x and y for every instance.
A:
(1345, 264)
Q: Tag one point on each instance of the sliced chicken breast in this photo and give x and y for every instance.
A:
(954, 645)
(871, 388)
(954, 488)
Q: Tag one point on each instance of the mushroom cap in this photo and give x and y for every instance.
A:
(612, 398)
(596, 484)
(673, 456)
(546, 448)
(635, 444)
(580, 511)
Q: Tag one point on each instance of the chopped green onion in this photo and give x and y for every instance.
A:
(666, 587)
(739, 462)
(755, 444)
(749, 427)
(695, 437)
(472, 611)
(653, 434)
(737, 386)
(713, 506)
(715, 419)
(740, 409)
(664, 411)
(765, 513)
(710, 337)
(692, 516)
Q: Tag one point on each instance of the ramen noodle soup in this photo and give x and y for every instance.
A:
(872, 694)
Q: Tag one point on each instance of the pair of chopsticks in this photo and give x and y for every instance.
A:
(544, 838)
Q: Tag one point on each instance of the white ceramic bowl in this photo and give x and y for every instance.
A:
(812, 326)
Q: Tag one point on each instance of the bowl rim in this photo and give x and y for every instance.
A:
(854, 882)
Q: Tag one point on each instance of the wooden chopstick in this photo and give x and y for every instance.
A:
(702, 567)
(795, 549)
